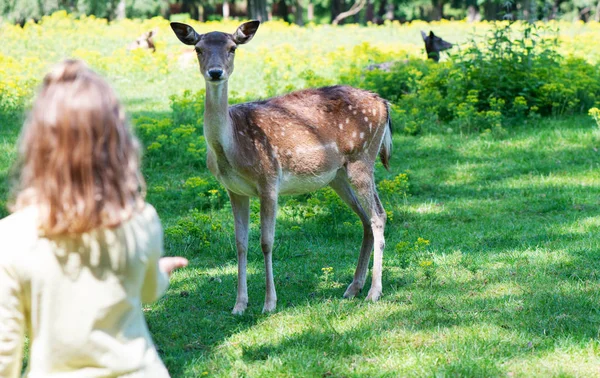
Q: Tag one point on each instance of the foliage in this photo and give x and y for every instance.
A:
(508, 284)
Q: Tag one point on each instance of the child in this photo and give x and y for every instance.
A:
(81, 252)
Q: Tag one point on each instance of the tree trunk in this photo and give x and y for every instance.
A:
(381, 11)
(120, 12)
(282, 11)
(225, 10)
(257, 10)
(370, 12)
(438, 10)
(336, 8)
(473, 14)
(597, 16)
(310, 11)
(299, 13)
(491, 10)
(354, 9)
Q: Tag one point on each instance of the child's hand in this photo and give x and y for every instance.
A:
(169, 264)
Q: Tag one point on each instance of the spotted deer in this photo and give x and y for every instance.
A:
(293, 144)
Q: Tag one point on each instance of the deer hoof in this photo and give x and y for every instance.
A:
(352, 290)
(373, 295)
(269, 307)
(239, 308)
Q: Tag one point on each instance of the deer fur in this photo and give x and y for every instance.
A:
(293, 144)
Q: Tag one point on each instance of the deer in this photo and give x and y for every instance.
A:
(292, 144)
(434, 45)
(144, 41)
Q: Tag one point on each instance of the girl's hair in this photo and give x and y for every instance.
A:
(79, 162)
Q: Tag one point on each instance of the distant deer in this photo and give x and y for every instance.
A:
(291, 144)
(144, 41)
(434, 45)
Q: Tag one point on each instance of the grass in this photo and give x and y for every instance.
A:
(490, 267)
(508, 284)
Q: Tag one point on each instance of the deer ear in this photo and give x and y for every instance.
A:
(185, 33)
(431, 35)
(423, 35)
(245, 32)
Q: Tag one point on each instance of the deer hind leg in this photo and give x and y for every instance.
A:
(360, 174)
(268, 213)
(342, 187)
(241, 214)
(378, 231)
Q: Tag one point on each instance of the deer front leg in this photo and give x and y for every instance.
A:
(268, 213)
(241, 214)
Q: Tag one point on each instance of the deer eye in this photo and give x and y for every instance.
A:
(198, 50)
(232, 50)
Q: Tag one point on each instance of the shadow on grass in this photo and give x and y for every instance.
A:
(483, 213)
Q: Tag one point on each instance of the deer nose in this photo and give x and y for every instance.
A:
(215, 73)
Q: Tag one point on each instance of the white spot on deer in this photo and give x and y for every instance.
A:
(354, 112)
(347, 120)
(288, 153)
(241, 133)
(351, 146)
(341, 126)
(354, 134)
(363, 111)
(349, 107)
(373, 110)
(283, 133)
(362, 135)
(366, 119)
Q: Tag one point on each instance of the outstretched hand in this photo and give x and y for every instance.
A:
(169, 264)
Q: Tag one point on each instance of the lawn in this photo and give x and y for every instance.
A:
(490, 269)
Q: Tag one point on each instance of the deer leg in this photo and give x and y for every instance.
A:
(268, 213)
(361, 177)
(378, 231)
(342, 187)
(241, 214)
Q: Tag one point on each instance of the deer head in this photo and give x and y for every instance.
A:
(434, 45)
(215, 50)
(144, 41)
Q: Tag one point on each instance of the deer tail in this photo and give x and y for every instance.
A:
(385, 152)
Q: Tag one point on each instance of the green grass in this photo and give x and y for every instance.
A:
(508, 285)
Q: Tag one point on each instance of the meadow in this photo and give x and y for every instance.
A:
(491, 263)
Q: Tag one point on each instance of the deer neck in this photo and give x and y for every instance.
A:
(218, 129)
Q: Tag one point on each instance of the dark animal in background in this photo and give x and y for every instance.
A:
(434, 45)
(144, 41)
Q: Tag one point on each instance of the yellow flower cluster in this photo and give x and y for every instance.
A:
(280, 57)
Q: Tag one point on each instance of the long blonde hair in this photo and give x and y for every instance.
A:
(78, 159)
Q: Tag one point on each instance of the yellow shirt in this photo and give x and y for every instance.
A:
(80, 298)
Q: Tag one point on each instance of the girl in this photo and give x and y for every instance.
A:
(81, 251)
